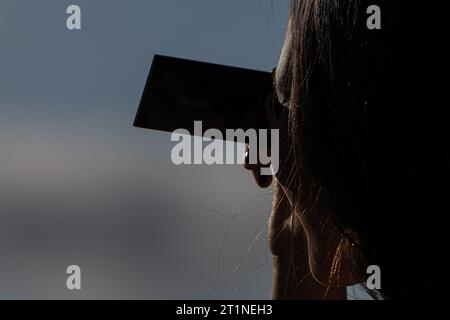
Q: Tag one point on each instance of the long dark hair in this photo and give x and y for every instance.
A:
(369, 127)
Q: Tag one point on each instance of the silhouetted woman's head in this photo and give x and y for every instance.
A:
(367, 141)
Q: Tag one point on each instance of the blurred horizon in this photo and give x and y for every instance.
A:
(80, 185)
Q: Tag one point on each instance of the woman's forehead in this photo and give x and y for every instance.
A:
(282, 74)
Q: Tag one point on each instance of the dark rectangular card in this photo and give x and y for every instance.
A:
(179, 92)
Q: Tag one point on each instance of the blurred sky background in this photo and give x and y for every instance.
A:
(79, 185)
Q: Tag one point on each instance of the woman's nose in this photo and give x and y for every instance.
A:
(262, 181)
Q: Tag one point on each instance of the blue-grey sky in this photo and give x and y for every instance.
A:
(80, 185)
